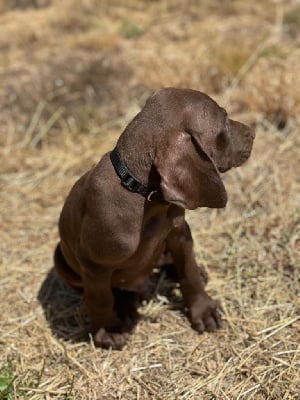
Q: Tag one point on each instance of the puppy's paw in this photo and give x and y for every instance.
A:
(107, 340)
(205, 314)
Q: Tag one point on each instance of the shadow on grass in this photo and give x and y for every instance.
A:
(64, 307)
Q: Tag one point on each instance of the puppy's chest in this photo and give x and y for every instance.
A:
(151, 242)
(156, 226)
(133, 273)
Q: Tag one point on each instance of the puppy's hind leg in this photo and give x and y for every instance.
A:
(65, 271)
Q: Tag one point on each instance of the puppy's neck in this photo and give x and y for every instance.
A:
(140, 164)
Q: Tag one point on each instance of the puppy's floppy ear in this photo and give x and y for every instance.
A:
(188, 175)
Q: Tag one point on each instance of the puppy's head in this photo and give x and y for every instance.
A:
(205, 143)
(228, 143)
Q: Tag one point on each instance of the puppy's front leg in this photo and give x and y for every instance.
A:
(203, 312)
(99, 301)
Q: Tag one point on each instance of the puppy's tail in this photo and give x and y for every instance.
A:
(65, 271)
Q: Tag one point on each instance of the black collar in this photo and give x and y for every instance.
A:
(127, 178)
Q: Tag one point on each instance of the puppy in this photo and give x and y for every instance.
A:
(129, 209)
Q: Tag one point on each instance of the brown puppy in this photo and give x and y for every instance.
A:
(127, 210)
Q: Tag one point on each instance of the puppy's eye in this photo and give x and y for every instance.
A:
(222, 139)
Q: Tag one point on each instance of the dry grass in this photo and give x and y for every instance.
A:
(69, 83)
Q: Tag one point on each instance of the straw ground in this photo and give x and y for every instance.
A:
(72, 75)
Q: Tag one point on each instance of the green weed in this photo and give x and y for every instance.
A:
(130, 30)
(7, 379)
